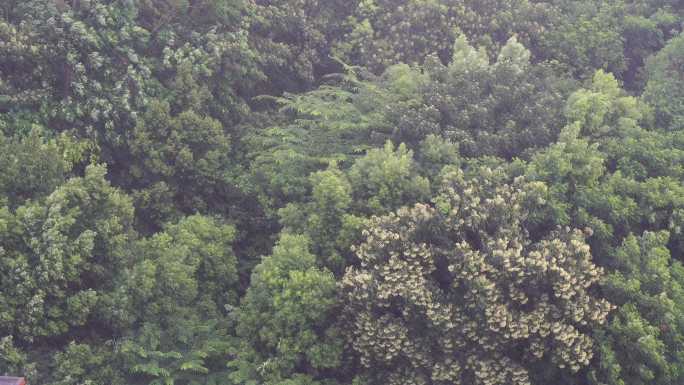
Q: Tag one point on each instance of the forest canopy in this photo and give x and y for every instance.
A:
(342, 192)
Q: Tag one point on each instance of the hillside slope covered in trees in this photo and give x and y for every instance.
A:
(342, 192)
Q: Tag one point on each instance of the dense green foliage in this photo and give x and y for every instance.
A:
(458, 293)
(342, 192)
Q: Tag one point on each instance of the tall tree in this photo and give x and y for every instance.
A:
(641, 343)
(664, 86)
(286, 320)
(460, 293)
